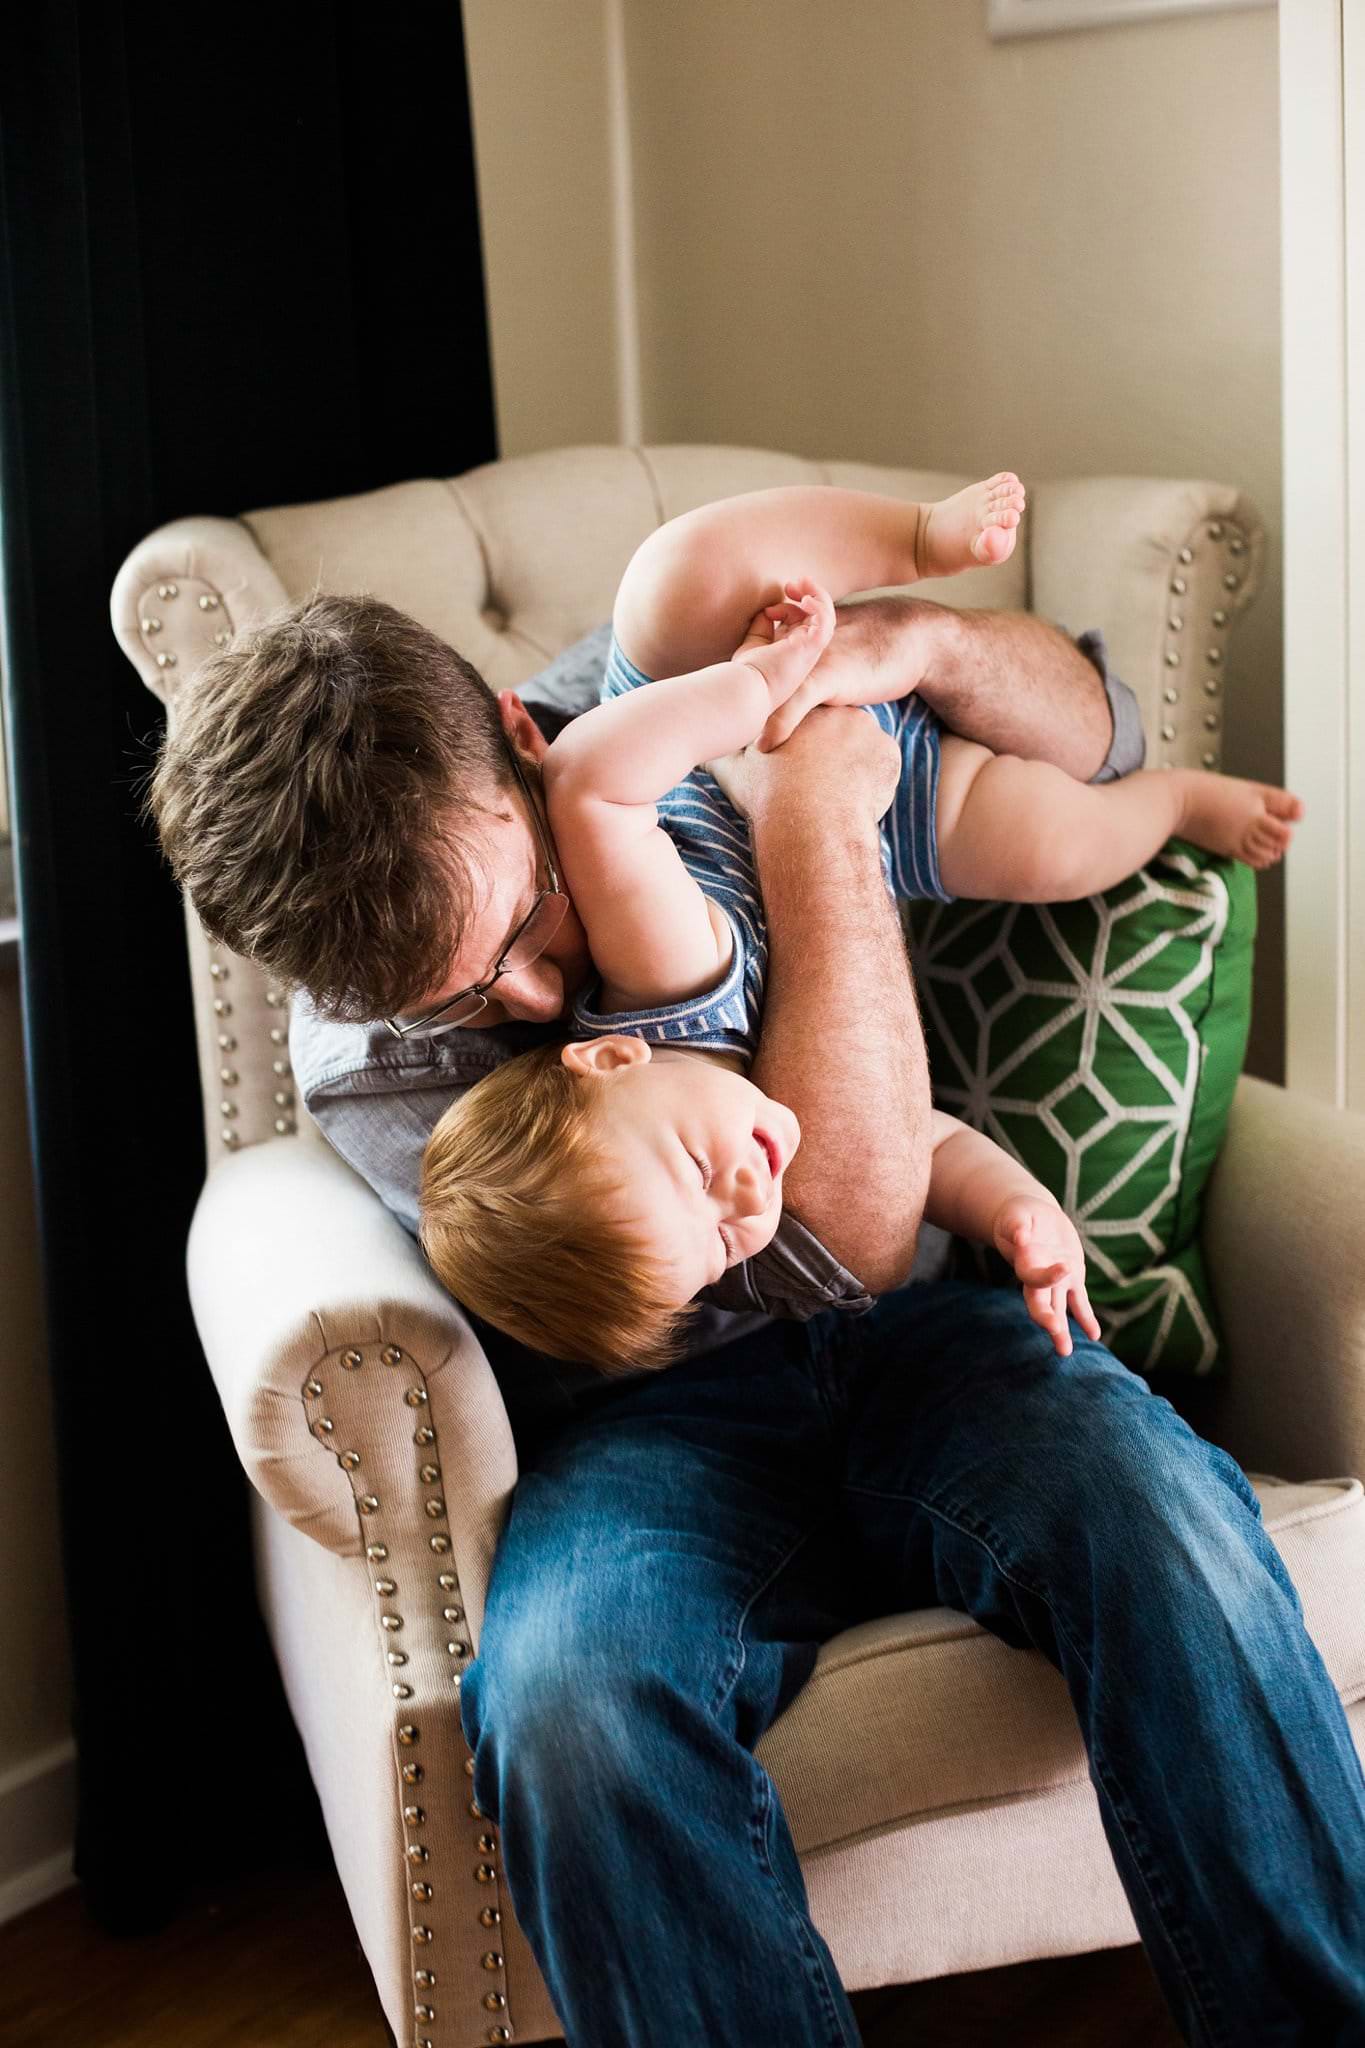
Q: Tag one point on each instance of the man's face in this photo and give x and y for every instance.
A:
(509, 869)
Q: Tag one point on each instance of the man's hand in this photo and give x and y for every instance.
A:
(1040, 1242)
(839, 765)
(882, 650)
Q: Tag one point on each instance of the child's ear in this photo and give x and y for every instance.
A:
(604, 1055)
(521, 729)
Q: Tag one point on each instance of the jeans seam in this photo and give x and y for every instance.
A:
(729, 1680)
(798, 1915)
(1125, 1819)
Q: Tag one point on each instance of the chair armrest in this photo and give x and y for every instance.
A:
(1112, 552)
(335, 1353)
(1284, 1227)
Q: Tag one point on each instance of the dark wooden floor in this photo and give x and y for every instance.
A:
(274, 1964)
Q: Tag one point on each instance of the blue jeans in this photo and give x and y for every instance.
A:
(678, 1549)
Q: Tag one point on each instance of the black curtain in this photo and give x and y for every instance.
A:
(239, 266)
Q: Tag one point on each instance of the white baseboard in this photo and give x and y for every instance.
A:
(37, 1828)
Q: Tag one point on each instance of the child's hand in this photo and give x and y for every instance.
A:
(1040, 1241)
(785, 640)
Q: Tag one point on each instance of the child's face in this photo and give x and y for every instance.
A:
(700, 1152)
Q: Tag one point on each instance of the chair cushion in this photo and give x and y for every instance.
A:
(917, 1713)
(1100, 1043)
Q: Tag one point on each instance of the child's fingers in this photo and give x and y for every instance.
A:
(784, 721)
(1084, 1314)
(1046, 1274)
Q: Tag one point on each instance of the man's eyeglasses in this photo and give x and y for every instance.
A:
(525, 944)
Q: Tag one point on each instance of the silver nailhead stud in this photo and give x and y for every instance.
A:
(218, 972)
(424, 1436)
(227, 1044)
(166, 661)
(221, 639)
(491, 1961)
(324, 1427)
(1210, 686)
(1176, 622)
(208, 604)
(227, 1108)
(409, 1736)
(1237, 547)
(429, 1474)
(1178, 585)
(1210, 760)
(368, 1502)
(452, 1613)
(1232, 583)
(418, 1852)
(396, 1657)
(277, 1037)
(475, 1810)
(487, 1844)
(351, 1359)
(228, 1076)
(447, 1580)
(424, 2012)
(494, 2001)
(459, 1649)
(1214, 656)
(421, 1935)
(284, 1125)
(283, 1098)
(414, 1815)
(500, 2034)
(279, 1066)
(469, 1766)
(1172, 658)
(385, 1587)
(1216, 531)
(391, 1621)
(1220, 618)
(440, 1544)
(416, 1397)
(151, 625)
(435, 1508)
(168, 590)
(221, 1009)
(422, 1890)
(401, 1692)
(273, 998)
(1171, 696)
(230, 1138)
(313, 1387)
(348, 1460)
(1211, 720)
(424, 1979)
(392, 1354)
(1168, 732)
(376, 1552)
(484, 1873)
(412, 1774)
(490, 1916)
(1187, 554)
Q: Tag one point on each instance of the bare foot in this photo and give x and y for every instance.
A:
(1248, 821)
(973, 529)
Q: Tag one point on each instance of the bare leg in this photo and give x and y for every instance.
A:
(1023, 832)
(691, 589)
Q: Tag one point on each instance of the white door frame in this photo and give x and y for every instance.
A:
(1322, 143)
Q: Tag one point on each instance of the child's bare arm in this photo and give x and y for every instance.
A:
(654, 938)
(977, 1191)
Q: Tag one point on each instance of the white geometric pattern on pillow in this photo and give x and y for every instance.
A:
(1113, 989)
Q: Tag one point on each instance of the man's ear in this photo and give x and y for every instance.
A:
(605, 1055)
(521, 729)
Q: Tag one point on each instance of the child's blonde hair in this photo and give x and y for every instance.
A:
(516, 1220)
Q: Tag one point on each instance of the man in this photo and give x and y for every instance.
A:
(680, 1544)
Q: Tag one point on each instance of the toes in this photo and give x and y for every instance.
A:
(1282, 803)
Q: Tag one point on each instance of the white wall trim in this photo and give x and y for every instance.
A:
(37, 1829)
(629, 406)
(1317, 693)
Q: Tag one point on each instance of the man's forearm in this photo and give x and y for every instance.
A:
(842, 1043)
(1009, 681)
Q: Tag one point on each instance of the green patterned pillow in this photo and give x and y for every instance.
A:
(1100, 1042)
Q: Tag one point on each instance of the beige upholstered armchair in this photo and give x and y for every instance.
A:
(935, 1779)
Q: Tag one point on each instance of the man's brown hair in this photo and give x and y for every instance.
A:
(311, 794)
(517, 1221)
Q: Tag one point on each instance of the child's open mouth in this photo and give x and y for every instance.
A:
(770, 1152)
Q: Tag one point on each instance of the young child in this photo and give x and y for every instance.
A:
(638, 1160)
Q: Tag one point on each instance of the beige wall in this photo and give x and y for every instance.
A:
(866, 230)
